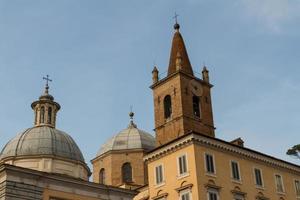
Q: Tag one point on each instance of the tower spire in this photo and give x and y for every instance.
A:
(178, 48)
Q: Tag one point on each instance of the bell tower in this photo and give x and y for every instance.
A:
(182, 101)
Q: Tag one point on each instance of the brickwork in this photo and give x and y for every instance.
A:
(112, 163)
(182, 120)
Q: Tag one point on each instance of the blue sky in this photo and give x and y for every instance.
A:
(100, 55)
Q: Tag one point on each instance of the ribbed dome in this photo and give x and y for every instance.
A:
(127, 139)
(42, 140)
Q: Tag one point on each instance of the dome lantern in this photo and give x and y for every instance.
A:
(45, 108)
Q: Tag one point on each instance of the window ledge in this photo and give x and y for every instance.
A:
(183, 175)
(280, 193)
(237, 181)
(160, 185)
(211, 174)
(260, 187)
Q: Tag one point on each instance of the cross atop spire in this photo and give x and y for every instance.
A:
(47, 83)
(176, 25)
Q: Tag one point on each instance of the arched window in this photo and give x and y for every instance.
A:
(127, 173)
(167, 106)
(49, 115)
(102, 176)
(35, 118)
(196, 106)
(42, 115)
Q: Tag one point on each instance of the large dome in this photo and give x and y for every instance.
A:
(128, 139)
(43, 140)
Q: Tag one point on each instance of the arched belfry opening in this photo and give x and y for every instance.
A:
(102, 176)
(127, 173)
(196, 106)
(167, 107)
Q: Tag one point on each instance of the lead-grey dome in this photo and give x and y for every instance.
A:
(42, 140)
(127, 139)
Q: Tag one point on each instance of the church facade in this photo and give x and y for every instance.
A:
(184, 160)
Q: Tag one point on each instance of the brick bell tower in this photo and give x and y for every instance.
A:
(182, 101)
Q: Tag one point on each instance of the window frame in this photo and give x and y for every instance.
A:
(214, 191)
(298, 180)
(163, 175)
(102, 176)
(239, 171)
(261, 176)
(124, 175)
(170, 111)
(281, 178)
(184, 192)
(184, 174)
(198, 107)
(214, 173)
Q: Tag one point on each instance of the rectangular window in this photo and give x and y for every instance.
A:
(238, 197)
(235, 171)
(185, 196)
(182, 164)
(209, 160)
(297, 187)
(212, 195)
(258, 177)
(159, 174)
(279, 183)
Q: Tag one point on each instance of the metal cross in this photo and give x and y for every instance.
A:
(47, 79)
(175, 17)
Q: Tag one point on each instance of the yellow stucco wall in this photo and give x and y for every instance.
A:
(199, 178)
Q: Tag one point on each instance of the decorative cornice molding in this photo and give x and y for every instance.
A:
(196, 138)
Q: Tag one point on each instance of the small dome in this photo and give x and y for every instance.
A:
(42, 140)
(129, 138)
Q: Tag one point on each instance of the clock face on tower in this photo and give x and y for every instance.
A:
(195, 88)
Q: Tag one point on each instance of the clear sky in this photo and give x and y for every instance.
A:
(100, 55)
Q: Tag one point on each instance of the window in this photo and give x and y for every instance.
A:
(279, 183)
(159, 176)
(102, 176)
(235, 170)
(35, 119)
(238, 197)
(196, 106)
(42, 115)
(258, 177)
(209, 160)
(49, 115)
(185, 195)
(212, 194)
(182, 165)
(297, 187)
(127, 173)
(167, 106)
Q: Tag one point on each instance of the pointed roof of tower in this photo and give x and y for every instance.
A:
(178, 48)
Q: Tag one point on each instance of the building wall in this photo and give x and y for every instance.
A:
(112, 163)
(201, 180)
(247, 183)
(172, 179)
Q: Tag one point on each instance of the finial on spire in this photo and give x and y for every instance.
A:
(47, 83)
(131, 115)
(176, 25)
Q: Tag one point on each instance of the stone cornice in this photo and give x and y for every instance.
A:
(5, 168)
(197, 138)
